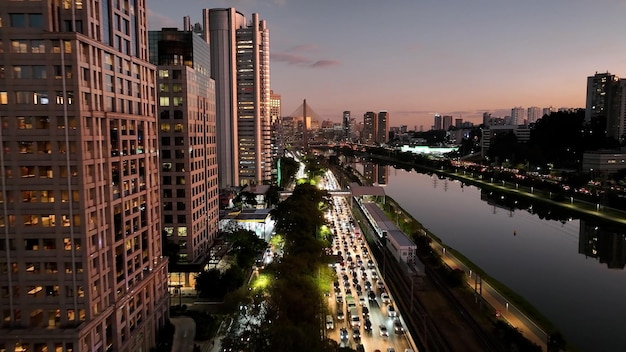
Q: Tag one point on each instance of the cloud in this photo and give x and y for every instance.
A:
(324, 63)
(291, 59)
(294, 56)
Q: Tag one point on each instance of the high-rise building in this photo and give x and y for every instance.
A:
(382, 128)
(518, 116)
(346, 126)
(486, 118)
(547, 111)
(438, 125)
(80, 265)
(446, 122)
(240, 66)
(603, 102)
(187, 145)
(369, 128)
(534, 114)
(277, 144)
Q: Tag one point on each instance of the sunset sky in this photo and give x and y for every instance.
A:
(415, 58)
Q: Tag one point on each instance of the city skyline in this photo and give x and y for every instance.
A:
(415, 60)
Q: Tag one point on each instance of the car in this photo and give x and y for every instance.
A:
(371, 295)
(366, 312)
(391, 311)
(380, 285)
(370, 264)
(397, 327)
(356, 334)
(343, 334)
(360, 348)
(367, 325)
(368, 285)
(390, 349)
(339, 299)
(383, 331)
(384, 297)
(362, 300)
(340, 315)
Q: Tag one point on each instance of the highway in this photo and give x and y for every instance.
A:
(356, 274)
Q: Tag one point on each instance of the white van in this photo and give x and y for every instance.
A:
(330, 323)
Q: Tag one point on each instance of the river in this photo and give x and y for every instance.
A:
(571, 270)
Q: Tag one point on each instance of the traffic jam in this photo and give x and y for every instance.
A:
(362, 314)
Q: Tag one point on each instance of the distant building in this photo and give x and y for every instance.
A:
(518, 116)
(547, 111)
(346, 123)
(446, 122)
(486, 118)
(277, 144)
(522, 132)
(369, 128)
(603, 102)
(382, 128)
(438, 123)
(534, 114)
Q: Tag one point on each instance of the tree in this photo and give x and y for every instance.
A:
(170, 249)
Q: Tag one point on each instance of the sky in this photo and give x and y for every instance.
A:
(415, 58)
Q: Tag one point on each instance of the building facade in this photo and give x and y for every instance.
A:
(187, 142)
(382, 128)
(369, 128)
(80, 264)
(604, 101)
(240, 66)
(277, 144)
(346, 126)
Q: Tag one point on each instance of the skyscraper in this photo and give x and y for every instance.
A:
(382, 127)
(81, 266)
(447, 122)
(187, 144)
(240, 66)
(277, 143)
(369, 128)
(438, 125)
(346, 126)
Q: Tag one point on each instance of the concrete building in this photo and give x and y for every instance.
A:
(81, 267)
(522, 133)
(240, 66)
(369, 128)
(534, 114)
(187, 142)
(446, 122)
(277, 145)
(518, 116)
(438, 123)
(382, 128)
(346, 124)
(604, 162)
(603, 102)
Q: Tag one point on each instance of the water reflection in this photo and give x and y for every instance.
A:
(603, 241)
